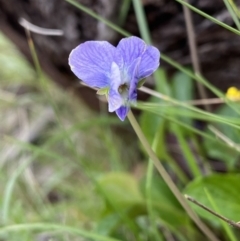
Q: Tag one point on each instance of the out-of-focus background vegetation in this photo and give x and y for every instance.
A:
(71, 171)
(52, 148)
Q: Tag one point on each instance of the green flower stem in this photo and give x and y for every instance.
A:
(168, 179)
(149, 180)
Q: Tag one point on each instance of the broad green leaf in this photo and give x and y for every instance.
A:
(108, 223)
(149, 123)
(182, 87)
(120, 189)
(124, 202)
(162, 82)
(224, 190)
(165, 204)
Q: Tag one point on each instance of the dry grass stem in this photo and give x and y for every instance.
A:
(193, 52)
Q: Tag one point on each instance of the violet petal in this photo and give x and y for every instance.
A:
(122, 112)
(91, 62)
(149, 62)
(114, 98)
(131, 48)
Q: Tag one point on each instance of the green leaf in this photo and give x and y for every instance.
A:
(182, 88)
(221, 152)
(141, 83)
(120, 189)
(123, 200)
(165, 204)
(151, 123)
(224, 190)
(161, 82)
(107, 224)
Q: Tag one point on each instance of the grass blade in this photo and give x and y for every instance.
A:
(50, 226)
(209, 17)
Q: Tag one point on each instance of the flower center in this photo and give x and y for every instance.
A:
(123, 91)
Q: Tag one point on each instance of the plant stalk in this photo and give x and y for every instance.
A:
(168, 179)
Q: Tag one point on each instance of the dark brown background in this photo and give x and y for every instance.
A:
(219, 49)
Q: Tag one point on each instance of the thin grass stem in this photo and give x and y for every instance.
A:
(230, 222)
(50, 226)
(142, 22)
(224, 138)
(193, 52)
(124, 11)
(187, 152)
(232, 13)
(9, 189)
(226, 227)
(183, 2)
(231, 122)
(211, 101)
(96, 16)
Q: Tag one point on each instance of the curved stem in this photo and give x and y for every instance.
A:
(168, 179)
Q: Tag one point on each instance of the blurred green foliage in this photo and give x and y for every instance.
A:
(77, 179)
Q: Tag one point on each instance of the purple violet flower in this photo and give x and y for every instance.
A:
(115, 70)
